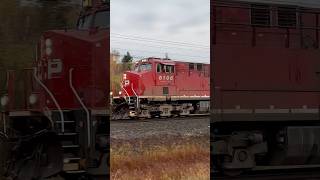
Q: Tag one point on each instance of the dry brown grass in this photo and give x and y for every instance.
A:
(165, 158)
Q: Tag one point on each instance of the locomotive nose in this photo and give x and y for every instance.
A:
(125, 81)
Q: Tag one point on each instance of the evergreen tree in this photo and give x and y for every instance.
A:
(127, 58)
(126, 62)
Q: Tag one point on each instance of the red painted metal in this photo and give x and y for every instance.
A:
(86, 51)
(87, 54)
(182, 82)
(258, 67)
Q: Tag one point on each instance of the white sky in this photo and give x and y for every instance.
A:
(147, 28)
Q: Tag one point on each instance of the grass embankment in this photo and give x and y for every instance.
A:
(166, 158)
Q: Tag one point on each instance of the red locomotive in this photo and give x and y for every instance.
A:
(265, 85)
(162, 87)
(63, 116)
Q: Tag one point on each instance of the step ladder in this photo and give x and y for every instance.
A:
(70, 142)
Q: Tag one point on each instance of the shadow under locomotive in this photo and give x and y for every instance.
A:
(265, 86)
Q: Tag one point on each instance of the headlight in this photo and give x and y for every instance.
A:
(48, 47)
(48, 43)
(48, 51)
(4, 100)
(33, 98)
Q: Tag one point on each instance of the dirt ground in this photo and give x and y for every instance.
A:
(160, 149)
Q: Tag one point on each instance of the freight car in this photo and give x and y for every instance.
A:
(163, 88)
(60, 126)
(265, 85)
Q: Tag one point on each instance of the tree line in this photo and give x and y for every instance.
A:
(118, 66)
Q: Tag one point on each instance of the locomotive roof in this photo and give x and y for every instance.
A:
(301, 3)
(166, 61)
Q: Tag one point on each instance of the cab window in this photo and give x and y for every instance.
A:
(143, 67)
(199, 67)
(158, 68)
(169, 69)
(162, 68)
(102, 19)
(191, 66)
(85, 22)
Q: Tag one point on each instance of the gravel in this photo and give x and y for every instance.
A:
(135, 129)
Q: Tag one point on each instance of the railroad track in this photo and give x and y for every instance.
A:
(192, 116)
(133, 129)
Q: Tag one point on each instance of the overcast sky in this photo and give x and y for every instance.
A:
(146, 28)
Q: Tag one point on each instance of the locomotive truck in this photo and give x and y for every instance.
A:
(61, 125)
(265, 85)
(163, 88)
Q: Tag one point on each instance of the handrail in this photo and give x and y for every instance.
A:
(126, 92)
(135, 95)
(83, 106)
(52, 97)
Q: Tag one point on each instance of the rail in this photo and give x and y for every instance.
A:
(51, 96)
(82, 104)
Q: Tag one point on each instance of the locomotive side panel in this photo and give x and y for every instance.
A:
(265, 85)
(263, 82)
(269, 67)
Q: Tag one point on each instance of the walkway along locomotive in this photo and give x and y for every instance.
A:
(265, 85)
(163, 88)
(62, 125)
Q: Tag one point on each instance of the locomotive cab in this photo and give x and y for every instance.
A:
(149, 72)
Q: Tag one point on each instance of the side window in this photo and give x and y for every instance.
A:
(287, 17)
(199, 67)
(260, 15)
(158, 68)
(168, 69)
(191, 66)
(163, 68)
(85, 22)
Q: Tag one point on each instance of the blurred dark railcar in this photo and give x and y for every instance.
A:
(265, 84)
(62, 127)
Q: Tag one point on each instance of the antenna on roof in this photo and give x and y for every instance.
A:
(167, 57)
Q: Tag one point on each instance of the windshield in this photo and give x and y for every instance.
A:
(101, 20)
(85, 22)
(143, 67)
